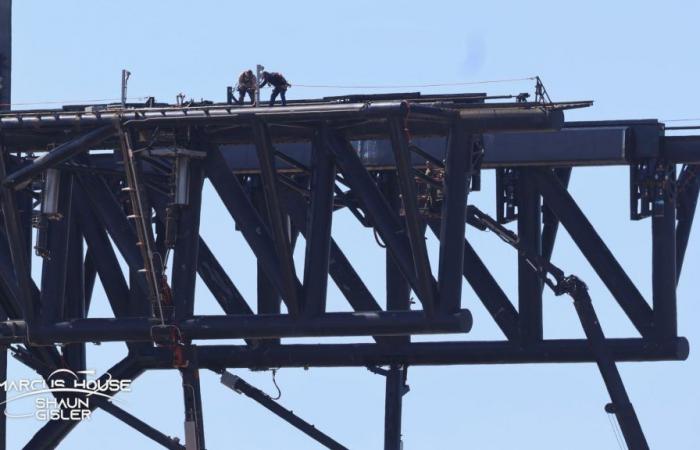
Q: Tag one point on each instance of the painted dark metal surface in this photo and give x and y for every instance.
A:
(400, 164)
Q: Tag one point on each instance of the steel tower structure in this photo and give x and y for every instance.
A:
(86, 183)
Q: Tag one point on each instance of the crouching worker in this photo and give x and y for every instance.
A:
(279, 86)
(247, 83)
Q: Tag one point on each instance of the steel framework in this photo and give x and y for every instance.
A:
(87, 177)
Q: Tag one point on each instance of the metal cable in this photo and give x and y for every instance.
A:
(696, 119)
(328, 86)
(274, 381)
(398, 86)
(618, 438)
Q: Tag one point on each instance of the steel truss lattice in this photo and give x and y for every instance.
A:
(403, 165)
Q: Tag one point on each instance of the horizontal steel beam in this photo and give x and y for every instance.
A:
(682, 149)
(487, 118)
(421, 354)
(379, 323)
(60, 154)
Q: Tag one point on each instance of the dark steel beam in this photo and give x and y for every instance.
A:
(112, 217)
(621, 406)
(5, 55)
(398, 291)
(530, 235)
(595, 251)
(194, 417)
(15, 239)
(550, 223)
(240, 386)
(423, 353)
(54, 268)
(687, 201)
(458, 173)
(682, 149)
(393, 400)
(185, 255)
(488, 290)
(586, 144)
(90, 275)
(74, 299)
(219, 283)
(239, 327)
(344, 275)
(268, 298)
(208, 267)
(3, 399)
(60, 154)
(374, 204)
(11, 299)
(490, 118)
(663, 260)
(105, 259)
(140, 426)
(276, 219)
(318, 234)
(426, 288)
(254, 230)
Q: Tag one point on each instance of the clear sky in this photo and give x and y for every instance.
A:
(635, 59)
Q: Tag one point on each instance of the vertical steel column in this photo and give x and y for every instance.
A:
(268, 298)
(487, 289)
(594, 249)
(54, 268)
(398, 291)
(529, 282)
(187, 246)
(663, 254)
(74, 303)
(194, 425)
(413, 224)
(3, 392)
(392, 407)
(386, 222)
(104, 258)
(5, 54)
(15, 239)
(3, 398)
(687, 201)
(279, 226)
(248, 220)
(398, 297)
(340, 269)
(458, 174)
(320, 218)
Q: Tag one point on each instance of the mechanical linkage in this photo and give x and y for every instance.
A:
(575, 288)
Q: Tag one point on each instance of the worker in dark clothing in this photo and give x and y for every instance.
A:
(247, 83)
(279, 86)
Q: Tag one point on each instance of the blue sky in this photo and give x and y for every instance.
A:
(635, 59)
